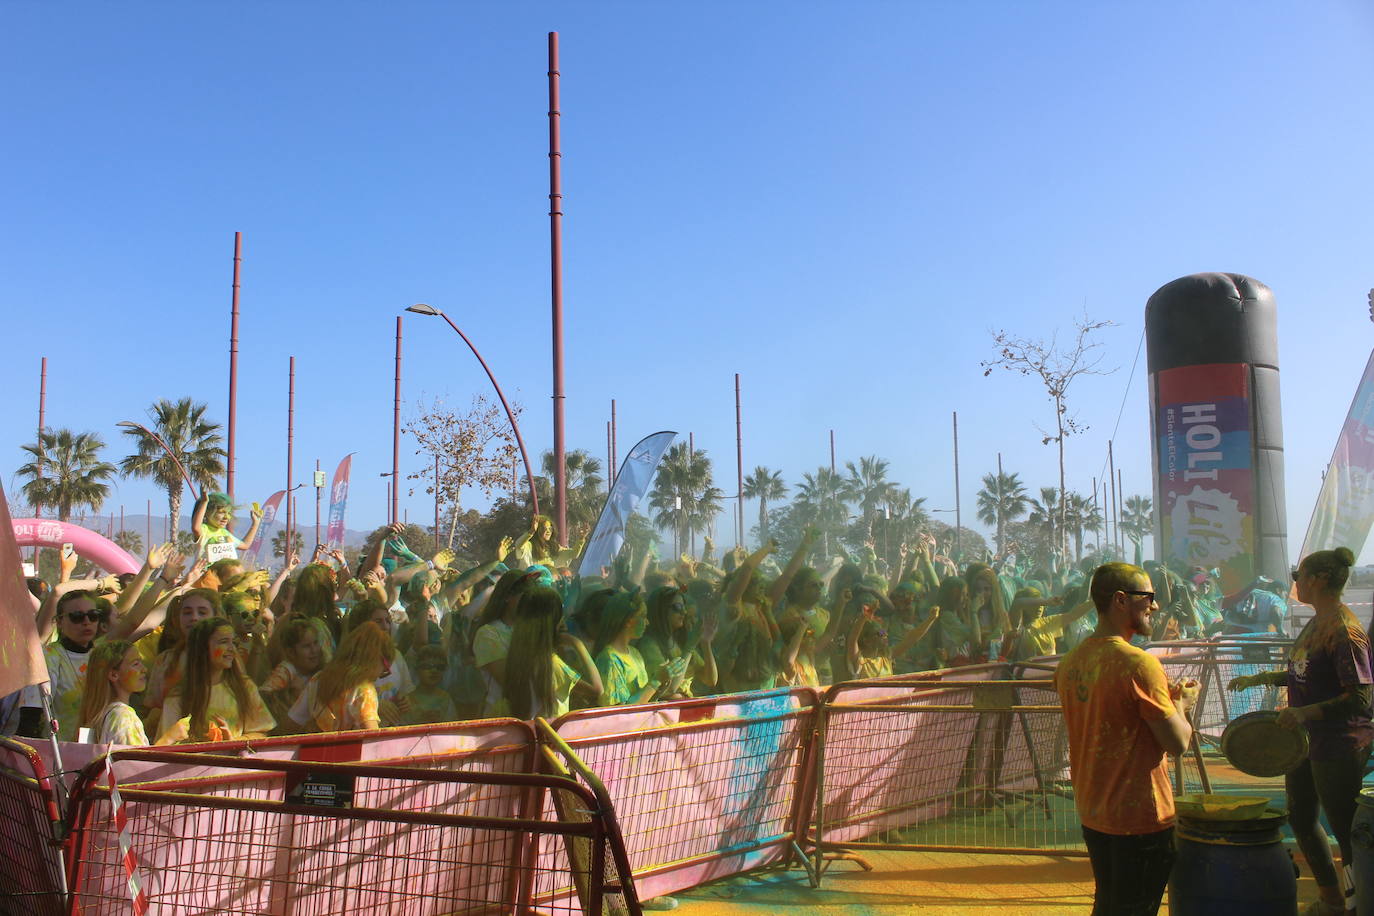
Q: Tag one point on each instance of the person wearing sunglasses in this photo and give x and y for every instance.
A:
(1122, 715)
(1329, 678)
(80, 615)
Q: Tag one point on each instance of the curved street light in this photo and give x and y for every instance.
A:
(421, 308)
(130, 424)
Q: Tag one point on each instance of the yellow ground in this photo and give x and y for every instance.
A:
(940, 883)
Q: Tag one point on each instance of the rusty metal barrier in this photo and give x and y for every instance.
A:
(326, 838)
(31, 867)
(705, 788)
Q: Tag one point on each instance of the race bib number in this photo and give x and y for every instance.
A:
(223, 551)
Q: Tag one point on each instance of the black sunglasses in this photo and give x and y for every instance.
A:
(1130, 591)
(88, 616)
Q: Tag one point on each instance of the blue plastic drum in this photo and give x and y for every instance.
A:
(1233, 868)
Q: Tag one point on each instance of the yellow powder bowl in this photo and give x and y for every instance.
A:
(1202, 806)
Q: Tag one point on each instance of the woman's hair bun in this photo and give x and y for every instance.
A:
(1345, 556)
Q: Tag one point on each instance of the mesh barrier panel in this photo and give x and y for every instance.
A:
(30, 866)
(946, 766)
(453, 843)
(703, 788)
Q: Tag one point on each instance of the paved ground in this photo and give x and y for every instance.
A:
(943, 883)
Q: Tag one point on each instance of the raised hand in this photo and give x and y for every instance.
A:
(443, 558)
(173, 566)
(158, 556)
(255, 512)
(504, 548)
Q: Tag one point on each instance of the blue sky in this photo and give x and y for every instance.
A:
(836, 201)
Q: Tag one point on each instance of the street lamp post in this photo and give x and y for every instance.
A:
(421, 308)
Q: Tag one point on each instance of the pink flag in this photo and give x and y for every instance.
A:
(338, 501)
(269, 512)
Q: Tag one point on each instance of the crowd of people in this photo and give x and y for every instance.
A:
(197, 648)
(202, 648)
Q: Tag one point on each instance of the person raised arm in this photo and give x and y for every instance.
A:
(287, 568)
(157, 556)
(198, 514)
(744, 574)
(916, 633)
(255, 515)
(794, 565)
(135, 602)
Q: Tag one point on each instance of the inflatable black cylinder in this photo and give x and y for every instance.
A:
(1213, 357)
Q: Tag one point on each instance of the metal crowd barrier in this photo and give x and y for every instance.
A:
(323, 837)
(31, 869)
(943, 765)
(970, 759)
(705, 788)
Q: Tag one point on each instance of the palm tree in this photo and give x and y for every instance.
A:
(684, 497)
(1045, 514)
(192, 438)
(1002, 499)
(765, 486)
(869, 486)
(1079, 513)
(1138, 521)
(823, 500)
(582, 476)
(73, 474)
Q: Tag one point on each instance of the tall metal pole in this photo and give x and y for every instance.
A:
(1099, 538)
(1111, 475)
(1121, 510)
(318, 490)
(290, 454)
(436, 499)
(121, 518)
(396, 433)
(610, 459)
(560, 483)
(42, 406)
(832, 451)
(233, 367)
(614, 456)
(739, 469)
(958, 513)
(691, 457)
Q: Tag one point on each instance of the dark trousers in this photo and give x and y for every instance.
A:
(1131, 871)
(1333, 783)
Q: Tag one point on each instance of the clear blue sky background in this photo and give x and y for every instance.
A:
(837, 201)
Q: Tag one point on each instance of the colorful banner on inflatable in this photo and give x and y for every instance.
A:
(21, 657)
(338, 501)
(1345, 505)
(269, 513)
(1205, 469)
(634, 480)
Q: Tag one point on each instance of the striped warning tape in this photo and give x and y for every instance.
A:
(126, 846)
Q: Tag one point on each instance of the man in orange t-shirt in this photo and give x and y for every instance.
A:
(1122, 715)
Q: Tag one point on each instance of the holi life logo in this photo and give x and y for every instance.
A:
(1207, 527)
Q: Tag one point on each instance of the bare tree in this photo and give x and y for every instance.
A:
(1056, 367)
(475, 448)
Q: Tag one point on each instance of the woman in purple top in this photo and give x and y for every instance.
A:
(1328, 681)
